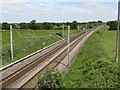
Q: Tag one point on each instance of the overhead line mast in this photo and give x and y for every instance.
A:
(68, 44)
(11, 42)
(118, 28)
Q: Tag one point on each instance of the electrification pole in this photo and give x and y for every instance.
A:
(86, 28)
(68, 44)
(63, 33)
(11, 42)
(92, 25)
(78, 27)
(118, 28)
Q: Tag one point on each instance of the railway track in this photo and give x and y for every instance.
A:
(21, 74)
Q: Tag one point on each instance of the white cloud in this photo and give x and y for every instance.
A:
(25, 10)
(28, 5)
(5, 11)
(87, 11)
(9, 3)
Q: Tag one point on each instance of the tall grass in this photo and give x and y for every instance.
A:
(26, 47)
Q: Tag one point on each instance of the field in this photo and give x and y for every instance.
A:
(39, 33)
(24, 46)
(95, 66)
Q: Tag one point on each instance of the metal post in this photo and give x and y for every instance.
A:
(68, 44)
(78, 27)
(63, 33)
(118, 28)
(11, 42)
(92, 25)
(86, 28)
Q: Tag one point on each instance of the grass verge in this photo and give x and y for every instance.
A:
(95, 66)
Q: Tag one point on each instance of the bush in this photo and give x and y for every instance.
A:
(112, 24)
(47, 26)
(52, 79)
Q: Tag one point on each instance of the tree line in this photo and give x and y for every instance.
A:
(113, 25)
(47, 25)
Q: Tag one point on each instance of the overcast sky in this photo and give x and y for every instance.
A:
(57, 10)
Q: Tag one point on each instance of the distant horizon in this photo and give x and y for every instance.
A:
(59, 21)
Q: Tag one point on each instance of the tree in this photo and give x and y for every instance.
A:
(14, 26)
(0, 25)
(68, 23)
(58, 24)
(5, 25)
(38, 25)
(17, 26)
(74, 25)
(112, 24)
(24, 25)
(46, 25)
(100, 22)
(33, 21)
(33, 25)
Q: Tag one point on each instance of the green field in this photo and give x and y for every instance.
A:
(95, 66)
(39, 33)
(25, 46)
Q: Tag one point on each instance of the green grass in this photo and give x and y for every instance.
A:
(95, 66)
(23, 47)
(6, 34)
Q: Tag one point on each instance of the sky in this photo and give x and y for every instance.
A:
(16, 11)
